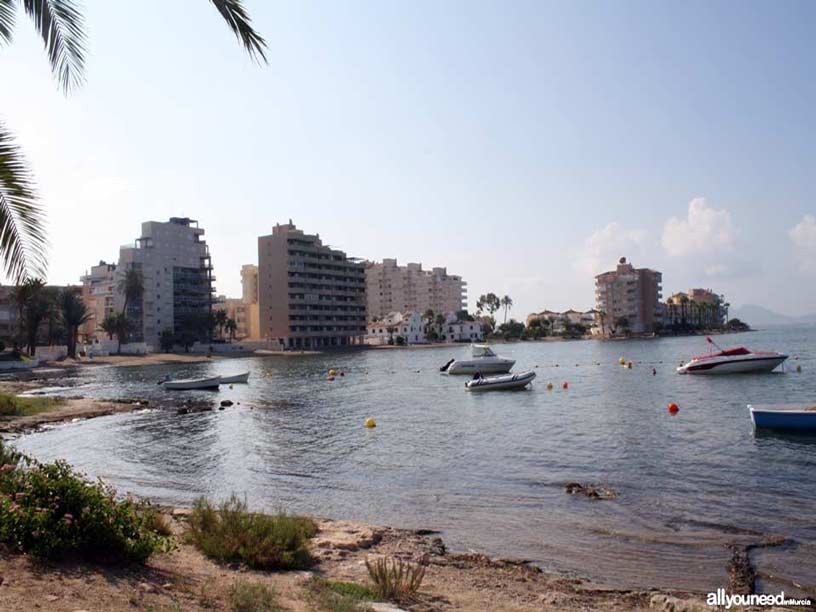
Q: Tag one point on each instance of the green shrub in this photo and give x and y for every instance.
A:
(335, 596)
(395, 579)
(12, 405)
(48, 510)
(252, 597)
(232, 533)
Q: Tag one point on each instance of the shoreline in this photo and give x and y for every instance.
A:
(184, 579)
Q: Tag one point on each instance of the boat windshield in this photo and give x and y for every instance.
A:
(482, 350)
(732, 352)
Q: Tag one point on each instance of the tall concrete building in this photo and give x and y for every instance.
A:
(176, 267)
(310, 294)
(99, 297)
(628, 299)
(392, 288)
(249, 284)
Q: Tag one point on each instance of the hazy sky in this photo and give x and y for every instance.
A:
(524, 145)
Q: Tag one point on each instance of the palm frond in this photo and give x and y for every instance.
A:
(6, 19)
(240, 23)
(22, 222)
(62, 29)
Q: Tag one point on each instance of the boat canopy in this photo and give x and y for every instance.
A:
(732, 352)
(482, 350)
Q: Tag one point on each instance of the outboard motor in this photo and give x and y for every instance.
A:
(445, 367)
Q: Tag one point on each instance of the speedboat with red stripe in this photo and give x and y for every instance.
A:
(736, 360)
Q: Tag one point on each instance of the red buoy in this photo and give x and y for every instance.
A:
(673, 408)
(565, 385)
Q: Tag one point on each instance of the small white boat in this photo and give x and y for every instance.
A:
(192, 383)
(507, 381)
(484, 361)
(784, 417)
(235, 378)
(732, 361)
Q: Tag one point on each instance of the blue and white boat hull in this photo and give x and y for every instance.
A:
(784, 417)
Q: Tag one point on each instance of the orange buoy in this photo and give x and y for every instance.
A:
(673, 408)
(629, 365)
(565, 385)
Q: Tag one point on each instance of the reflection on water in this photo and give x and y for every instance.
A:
(488, 469)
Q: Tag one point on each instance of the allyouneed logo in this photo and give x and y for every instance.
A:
(723, 599)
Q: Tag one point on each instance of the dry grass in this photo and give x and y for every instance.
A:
(395, 579)
(245, 596)
(13, 405)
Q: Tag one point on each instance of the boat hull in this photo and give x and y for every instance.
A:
(498, 383)
(790, 418)
(764, 363)
(499, 366)
(236, 378)
(203, 384)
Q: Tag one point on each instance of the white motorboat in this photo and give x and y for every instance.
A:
(506, 381)
(484, 361)
(733, 361)
(235, 378)
(192, 383)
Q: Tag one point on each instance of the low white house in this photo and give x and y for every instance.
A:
(413, 329)
(408, 326)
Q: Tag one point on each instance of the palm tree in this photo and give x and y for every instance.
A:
(21, 295)
(131, 286)
(61, 26)
(440, 322)
(506, 302)
(602, 318)
(36, 309)
(74, 313)
(232, 327)
(220, 318)
(117, 325)
(683, 309)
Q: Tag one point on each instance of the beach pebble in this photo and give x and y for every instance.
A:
(226, 402)
(384, 607)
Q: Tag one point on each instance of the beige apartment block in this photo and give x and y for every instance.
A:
(631, 295)
(393, 288)
(249, 284)
(99, 296)
(310, 294)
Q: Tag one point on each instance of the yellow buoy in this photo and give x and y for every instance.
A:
(549, 386)
(370, 423)
(798, 368)
(621, 361)
(332, 372)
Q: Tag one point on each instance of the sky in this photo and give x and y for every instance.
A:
(525, 146)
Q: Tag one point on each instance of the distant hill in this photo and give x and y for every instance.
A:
(759, 316)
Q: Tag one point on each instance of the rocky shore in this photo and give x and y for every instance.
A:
(186, 580)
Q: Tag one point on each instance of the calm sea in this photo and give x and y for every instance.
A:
(488, 470)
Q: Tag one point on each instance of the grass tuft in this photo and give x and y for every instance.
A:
(247, 596)
(336, 596)
(395, 579)
(233, 534)
(13, 405)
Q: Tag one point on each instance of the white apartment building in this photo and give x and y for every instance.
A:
(175, 264)
(393, 288)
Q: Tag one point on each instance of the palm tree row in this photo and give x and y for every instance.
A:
(685, 313)
(60, 24)
(62, 310)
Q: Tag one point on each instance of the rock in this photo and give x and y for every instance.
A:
(384, 607)
(669, 603)
(51, 598)
(181, 512)
(438, 547)
(147, 588)
(226, 403)
(590, 490)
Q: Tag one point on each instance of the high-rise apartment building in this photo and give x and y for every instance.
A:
(310, 294)
(99, 297)
(392, 288)
(176, 268)
(628, 299)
